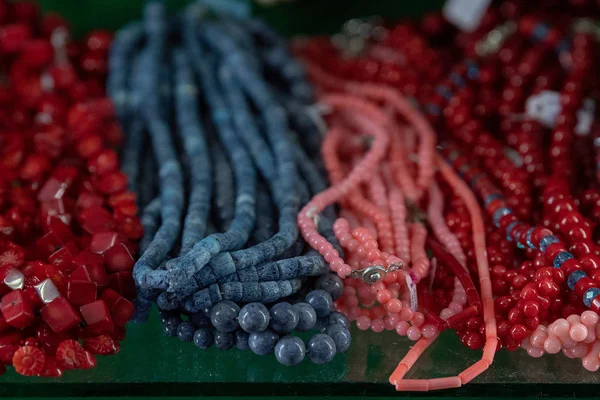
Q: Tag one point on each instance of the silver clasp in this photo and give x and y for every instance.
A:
(374, 273)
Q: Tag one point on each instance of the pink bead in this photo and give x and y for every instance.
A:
(364, 292)
(406, 314)
(535, 352)
(580, 350)
(573, 319)
(591, 337)
(578, 332)
(589, 318)
(331, 255)
(429, 331)
(349, 290)
(336, 264)
(361, 252)
(413, 333)
(568, 343)
(446, 313)
(391, 321)
(560, 327)
(394, 292)
(460, 298)
(373, 255)
(371, 245)
(592, 364)
(538, 338)
(456, 307)
(363, 323)
(402, 328)
(377, 325)
(552, 345)
(418, 319)
(351, 301)
(384, 296)
(352, 246)
(394, 306)
(344, 270)
(354, 313)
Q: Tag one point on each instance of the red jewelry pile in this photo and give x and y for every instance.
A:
(68, 226)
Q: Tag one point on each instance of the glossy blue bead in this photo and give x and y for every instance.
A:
(546, 241)
(336, 318)
(170, 325)
(254, 317)
(224, 316)
(224, 340)
(290, 350)
(185, 331)
(204, 338)
(321, 348)
(241, 340)
(307, 317)
(574, 278)
(589, 296)
(332, 284)
(284, 317)
(321, 301)
(499, 213)
(263, 343)
(509, 230)
(341, 336)
(561, 258)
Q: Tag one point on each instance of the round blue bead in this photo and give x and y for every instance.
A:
(574, 278)
(321, 301)
(200, 319)
(284, 317)
(332, 284)
(224, 316)
(204, 338)
(307, 317)
(254, 317)
(321, 348)
(546, 241)
(290, 350)
(263, 343)
(561, 258)
(185, 331)
(170, 325)
(337, 318)
(241, 340)
(340, 335)
(224, 340)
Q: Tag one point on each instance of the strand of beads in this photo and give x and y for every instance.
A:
(69, 227)
(244, 279)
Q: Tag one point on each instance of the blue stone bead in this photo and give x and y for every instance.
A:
(528, 238)
(336, 318)
(204, 338)
(321, 301)
(494, 196)
(340, 335)
(546, 241)
(589, 296)
(224, 316)
(290, 350)
(284, 317)
(170, 325)
(332, 284)
(509, 230)
(200, 319)
(254, 317)
(185, 331)
(307, 317)
(224, 340)
(321, 348)
(518, 240)
(233, 291)
(263, 343)
(574, 278)
(270, 291)
(499, 213)
(561, 258)
(241, 340)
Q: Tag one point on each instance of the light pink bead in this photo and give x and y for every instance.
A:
(331, 255)
(535, 352)
(460, 298)
(418, 319)
(344, 270)
(592, 364)
(573, 319)
(567, 343)
(580, 350)
(456, 307)
(394, 305)
(413, 333)
(538, 338)
(377, 325)
(402, 328)
(589, 318)
(363, 323)
(391, 321)
(578, 332)
(552, 345)
(591, 337)
(446, 313)
(560, 327)
(428, 331)
(351, 301)
(406, 314)
(354, 313)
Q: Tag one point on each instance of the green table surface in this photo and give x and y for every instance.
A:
(151, 364)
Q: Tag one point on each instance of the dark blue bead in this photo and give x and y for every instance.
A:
(224, 316)
(284, 317)
(204, 338)
(241, 340)
(263, 343)
(224, 340)
(200, 319)
(341, 336)
(321, 348)
(546, 241)
(185, 331)
(321, 301)
(254, 317)
(307, 317)
(337, 318)
(332, 284)
(574, 278)
(589, 296)
(170, 325)
(290, 350)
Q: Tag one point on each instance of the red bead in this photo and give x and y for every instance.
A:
(17, 309)
(118, 258)
(515, 316)
(96, 219)
(60, 315)
(122, 282)
(97, 317)
(518, 332)
(583, 285)
(91, 272)
(121, 309)
(82, 292)
(104, 240)
(13, 37)
(547, 287)
(552, 251)
(531, 308)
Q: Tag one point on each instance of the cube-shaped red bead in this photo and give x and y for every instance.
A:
(121, 309)
(118, 258)
(97, 317)
(52, 189)
(62, 259)
(92, 272)
(48, 244)
(86, 257)
(105, 240)
(87, 200)
(17, 309)
(60, 229)
(60, 315)
(96, 219)
(82, 292)
(3, 324)
(122, 282)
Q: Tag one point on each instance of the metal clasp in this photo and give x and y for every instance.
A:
(374, 273)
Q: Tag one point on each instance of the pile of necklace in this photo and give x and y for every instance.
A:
(517, 130)
(68, 227)
(235, 144)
